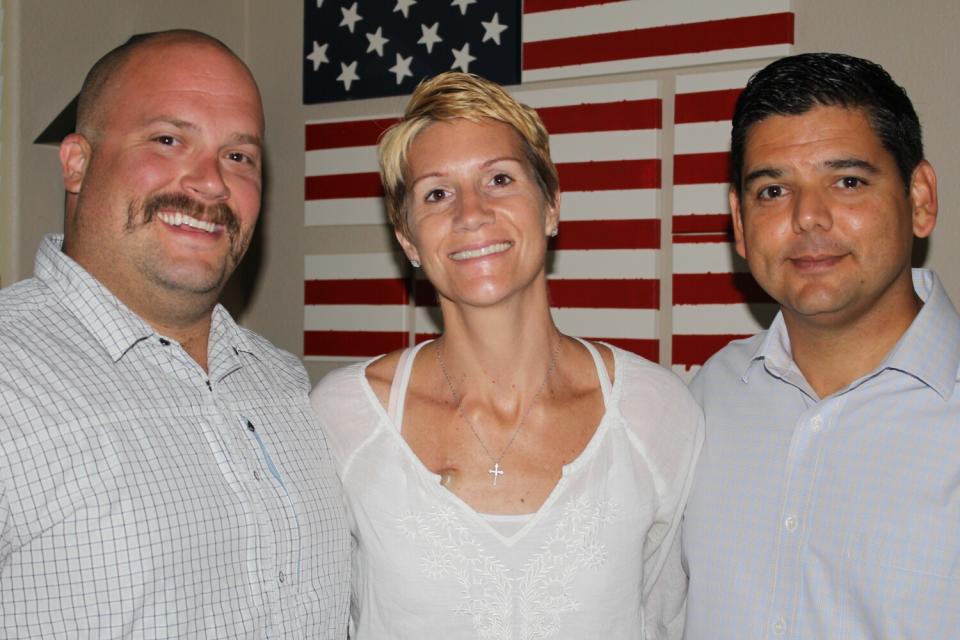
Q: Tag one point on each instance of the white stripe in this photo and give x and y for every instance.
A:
(341, 160)
(626, 204)
(588, 93)
(605, 145)
(318, 213)
(704, 257)
(384, 115)
(657, 62)
(354, 317)
(564, 147)
(606, 263)
(714, 81)
(701, 198)
(350, 266)
(718, 318)
(702, 137)
(597, 323)
(638, 14)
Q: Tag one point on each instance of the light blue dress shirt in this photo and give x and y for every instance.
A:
(832, 518)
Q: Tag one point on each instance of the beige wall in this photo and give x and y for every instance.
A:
(58, 40)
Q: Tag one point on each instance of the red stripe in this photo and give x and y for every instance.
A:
(354, 133)
(701, 168)
(609, 294)
(698, 37)
(359, 291)
(608, 234)
(703, 223)
(647, 348)
(352, 343)
(580, 294)
(690, 350)
(343, 185)
(610, 174)
(603, 116)
(703, 238)
(537, 6)
(717, 288)
(705, 106)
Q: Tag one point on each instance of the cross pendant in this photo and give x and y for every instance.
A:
(496, 471)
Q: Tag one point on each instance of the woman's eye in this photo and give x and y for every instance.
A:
(436, 195)
(501, 179)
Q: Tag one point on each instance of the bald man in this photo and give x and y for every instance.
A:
(161, 474)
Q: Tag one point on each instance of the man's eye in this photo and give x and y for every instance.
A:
(436, 195)
(236, 156)
(850, 182)
(771, 192)
(167, 140)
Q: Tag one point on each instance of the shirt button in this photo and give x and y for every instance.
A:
(282, 577)
(779, 626)
(790, 523)
(815, 423)
(256, 475)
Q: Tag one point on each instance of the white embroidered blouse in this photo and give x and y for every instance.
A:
(600, 558)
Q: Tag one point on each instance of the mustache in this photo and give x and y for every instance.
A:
(219, 214)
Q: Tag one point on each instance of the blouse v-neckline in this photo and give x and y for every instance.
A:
(392, 420)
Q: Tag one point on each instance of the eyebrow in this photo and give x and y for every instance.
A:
(839, 163)
(235, 138)
(437, 174)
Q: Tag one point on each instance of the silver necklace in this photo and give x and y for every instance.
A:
(496, 470)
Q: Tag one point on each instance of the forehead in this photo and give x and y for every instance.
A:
(184, 76)
(821, 130)
(442, 141)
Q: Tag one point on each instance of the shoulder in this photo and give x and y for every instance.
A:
(660, 415)
(728, 364)
(282, 365)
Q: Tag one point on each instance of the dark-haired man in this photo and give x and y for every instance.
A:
(160, 471)
(827, 501)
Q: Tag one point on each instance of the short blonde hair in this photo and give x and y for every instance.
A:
(449, 96)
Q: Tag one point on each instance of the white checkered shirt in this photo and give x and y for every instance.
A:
(832, 518)
(141, 497)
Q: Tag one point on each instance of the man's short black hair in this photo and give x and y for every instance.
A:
(796, 84)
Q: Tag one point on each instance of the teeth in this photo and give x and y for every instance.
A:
(178, 219)
(490, 249)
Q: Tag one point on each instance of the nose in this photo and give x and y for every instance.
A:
(473, 210)
(205, 178)
(810, 211)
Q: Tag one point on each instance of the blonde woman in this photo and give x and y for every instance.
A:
(504, 480)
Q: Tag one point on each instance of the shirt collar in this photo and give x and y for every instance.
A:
(929, 350)
(111, 322)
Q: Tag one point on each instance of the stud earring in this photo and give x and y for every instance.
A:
(414, 263)
(554, 232)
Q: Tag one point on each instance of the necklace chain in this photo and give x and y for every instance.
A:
(497, 470)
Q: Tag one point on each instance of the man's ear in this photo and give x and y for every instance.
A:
(75, 153)
(923, 199)
(737, 215)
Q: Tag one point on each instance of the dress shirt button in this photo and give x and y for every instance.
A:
(282, 577)
(164, 342)
(790, 523)
(815, 423)
(256, 475)
(779, 626)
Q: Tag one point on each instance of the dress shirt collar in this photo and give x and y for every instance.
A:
(115, 326)
(929, 350)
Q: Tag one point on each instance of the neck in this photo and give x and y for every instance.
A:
(833, 356)
(185, 320)
(497, 354)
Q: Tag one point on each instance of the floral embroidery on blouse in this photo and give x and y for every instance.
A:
(487, 591)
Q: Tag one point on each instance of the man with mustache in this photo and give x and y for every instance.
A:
(827, 499)
(161, 474)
